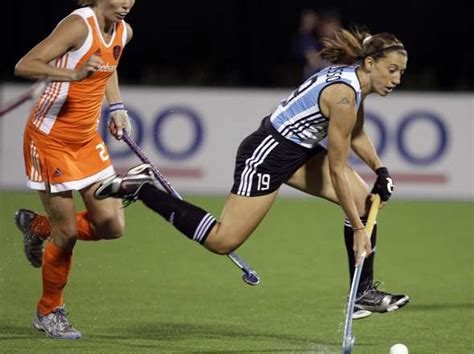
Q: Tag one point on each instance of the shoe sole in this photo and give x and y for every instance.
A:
(100, 189)
(361, 314)
(40, 328)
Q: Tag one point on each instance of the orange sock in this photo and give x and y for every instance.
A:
(84, 231)
(41, 228)
(56, 267)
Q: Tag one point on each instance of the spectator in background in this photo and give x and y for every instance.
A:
(307, 42)
(329, 23)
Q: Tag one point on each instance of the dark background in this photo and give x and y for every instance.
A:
(247, 42)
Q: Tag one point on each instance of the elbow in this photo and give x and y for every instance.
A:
(20, 70)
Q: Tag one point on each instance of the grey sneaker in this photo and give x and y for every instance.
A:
(126, 187)
(56, 325)
(375, 300)
(32, 245)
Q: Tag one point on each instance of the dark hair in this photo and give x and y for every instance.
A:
(348, 47)
(86, 2)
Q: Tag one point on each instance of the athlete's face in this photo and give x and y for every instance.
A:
(116, 10)
(386, 73)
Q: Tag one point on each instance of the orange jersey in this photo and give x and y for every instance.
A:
(70, 111)
(62, 147)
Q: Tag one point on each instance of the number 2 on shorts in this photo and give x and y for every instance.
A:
(104, 156)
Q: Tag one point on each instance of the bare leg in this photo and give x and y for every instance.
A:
(106, 216)
(240, 217)
(314, 178)
(62, 217)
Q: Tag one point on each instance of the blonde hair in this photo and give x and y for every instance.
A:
(348, 47)
(86, 2)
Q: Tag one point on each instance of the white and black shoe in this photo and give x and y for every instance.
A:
(126, 187)
(32, 245)
(375, 300)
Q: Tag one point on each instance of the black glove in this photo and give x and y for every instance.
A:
(383, 186)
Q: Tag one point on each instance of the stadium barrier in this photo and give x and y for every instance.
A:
(192, 134)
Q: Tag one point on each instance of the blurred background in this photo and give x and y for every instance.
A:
(199, 76)
(251, 43)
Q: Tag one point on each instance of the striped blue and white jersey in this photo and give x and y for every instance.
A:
(299, 118)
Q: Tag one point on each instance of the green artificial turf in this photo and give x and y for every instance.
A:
(155, 291)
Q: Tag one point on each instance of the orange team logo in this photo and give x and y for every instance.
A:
(98, 52)
(117, 50)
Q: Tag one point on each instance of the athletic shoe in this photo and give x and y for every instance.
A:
(56, 325)
(125, 187)
(375, 300)
(32, 245)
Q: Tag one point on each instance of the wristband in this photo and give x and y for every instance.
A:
(381, 171)
(118, 106)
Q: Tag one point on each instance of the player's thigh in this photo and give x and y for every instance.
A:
(106, 215)
(59, 208)
(240, 216)
(314, 178)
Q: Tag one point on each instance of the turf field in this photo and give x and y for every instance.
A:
(155, 291)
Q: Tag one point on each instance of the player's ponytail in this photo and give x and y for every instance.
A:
(349, 47)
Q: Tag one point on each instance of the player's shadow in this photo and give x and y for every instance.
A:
(166, 332)
(11, 332)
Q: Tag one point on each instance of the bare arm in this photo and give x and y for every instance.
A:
(339, 103)
(362, 144)
(112, 91)
(118, 118)
(69, 34)
(341, 107)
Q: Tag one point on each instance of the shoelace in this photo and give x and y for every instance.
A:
(61, 320)
(375, 287)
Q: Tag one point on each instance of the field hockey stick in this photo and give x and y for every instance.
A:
(31, 94)
(349, 339)
(250, 276)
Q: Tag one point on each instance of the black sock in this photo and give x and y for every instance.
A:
(367, 275)
(194, 222)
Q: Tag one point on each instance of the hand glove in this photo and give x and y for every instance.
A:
(118, 120)
(383, 186)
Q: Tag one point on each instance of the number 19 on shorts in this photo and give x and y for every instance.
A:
(263, 181)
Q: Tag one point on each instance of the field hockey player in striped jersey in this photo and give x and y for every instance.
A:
(286, 149)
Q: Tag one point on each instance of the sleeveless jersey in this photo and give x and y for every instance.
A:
(70, 111)
(299, 118)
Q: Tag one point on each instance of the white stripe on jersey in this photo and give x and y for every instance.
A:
(298, 118)
(258, 156)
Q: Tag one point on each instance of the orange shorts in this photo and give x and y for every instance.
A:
(57, 166)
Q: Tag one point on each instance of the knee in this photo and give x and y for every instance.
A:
(220, 246)
(221, 249)
(111, 228)
(66, 231)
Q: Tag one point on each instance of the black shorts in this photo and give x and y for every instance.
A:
(265, 160)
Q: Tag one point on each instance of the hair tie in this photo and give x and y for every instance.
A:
(366, 39)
